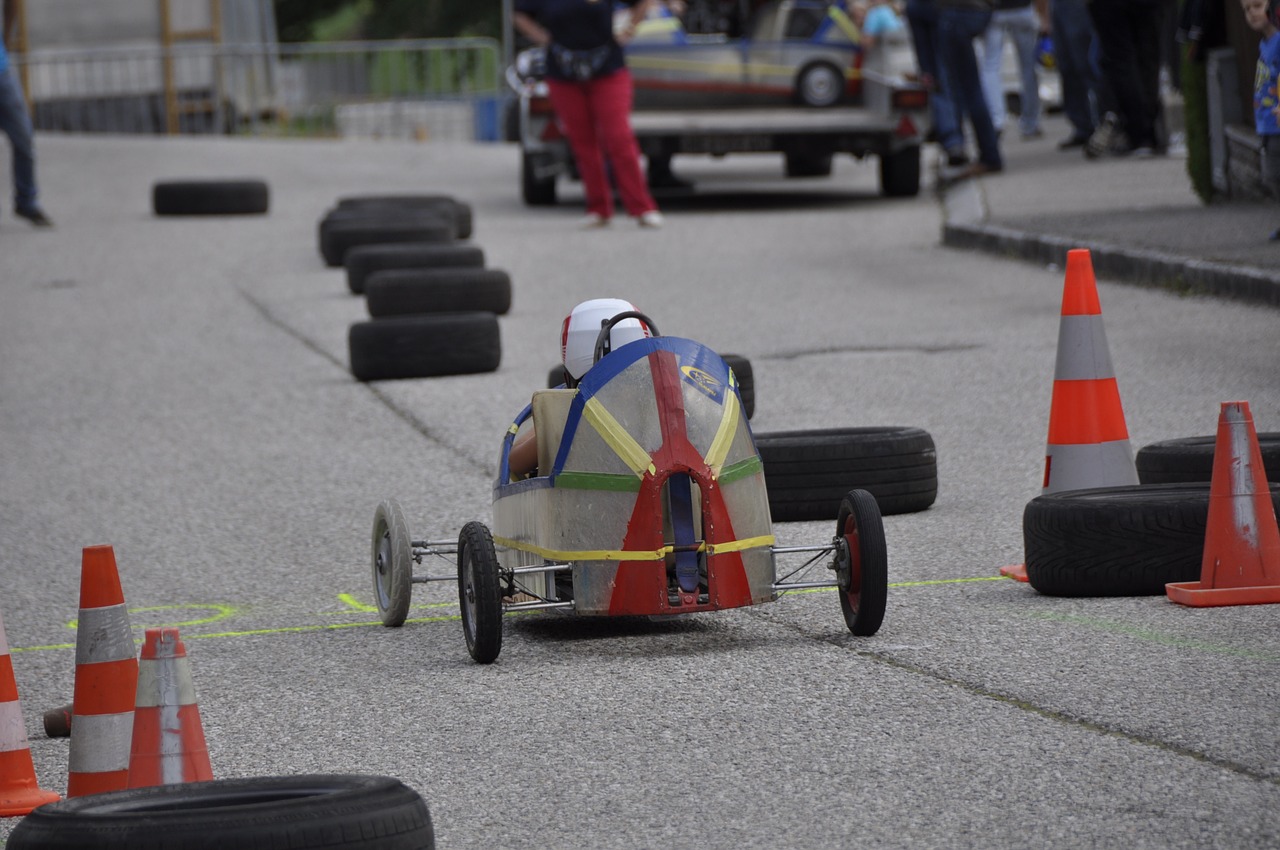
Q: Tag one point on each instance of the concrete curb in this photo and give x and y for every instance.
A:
(966, 226)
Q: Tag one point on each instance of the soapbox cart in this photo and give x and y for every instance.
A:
(649, 500)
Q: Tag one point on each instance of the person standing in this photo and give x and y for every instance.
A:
(1258, 14)
(1073, 46)
(959, 23)
(1022, 21)
(1129, 34)
(15, 121)
(591, 91)
(922, 19)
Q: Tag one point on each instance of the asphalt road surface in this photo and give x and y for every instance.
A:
(179, 389)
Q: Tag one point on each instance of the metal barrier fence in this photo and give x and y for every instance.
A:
(433, 89)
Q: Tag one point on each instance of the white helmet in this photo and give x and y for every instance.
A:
(581, 329)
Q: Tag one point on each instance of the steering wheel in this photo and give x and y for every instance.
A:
(607, 326)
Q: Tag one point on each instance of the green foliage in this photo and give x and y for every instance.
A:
(320, 20)
(1195, 101)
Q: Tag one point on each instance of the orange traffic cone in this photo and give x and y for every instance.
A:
(19, 793)
(1241, 563)
(168, 740)
(106, 680)
(1088, 440)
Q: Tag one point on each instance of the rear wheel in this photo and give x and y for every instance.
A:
(536, 191)
(392, 558)
(479, 593)
(900, 173)
(862, 563)
(742, 370)
(820, 84)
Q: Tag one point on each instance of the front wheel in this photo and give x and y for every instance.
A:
(479, 593)
(392, 563)
(862, 563)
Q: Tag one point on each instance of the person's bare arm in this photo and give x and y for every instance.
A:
(531, 29)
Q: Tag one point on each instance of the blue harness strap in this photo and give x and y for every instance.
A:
(680, 493)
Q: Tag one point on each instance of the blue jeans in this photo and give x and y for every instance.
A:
(1073, 48)
(959, 27)
(15, 121)
(922, 17)
(1023, 27)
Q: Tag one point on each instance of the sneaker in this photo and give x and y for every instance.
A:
(593, 221)
(957, 157)
(1075, 140)
(1032, 135)
(652, 218)
(35, 215)
(1106, 138)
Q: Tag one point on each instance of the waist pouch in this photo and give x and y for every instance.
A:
(581, 64)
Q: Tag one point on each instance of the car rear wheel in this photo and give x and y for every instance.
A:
(820, 85)
(742, 370)
(536, 191)
(900, 173)
(862, 563)
(392, 560)
(479, 593)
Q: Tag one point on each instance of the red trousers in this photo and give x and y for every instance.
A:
(596, 116)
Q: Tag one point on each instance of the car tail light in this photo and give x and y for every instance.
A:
(910, 99)
(541, 106)
(906, 128)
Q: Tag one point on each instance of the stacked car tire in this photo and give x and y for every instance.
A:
(433, 304)
(1132, 540)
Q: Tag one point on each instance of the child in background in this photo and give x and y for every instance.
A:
(1261, 16)
(875, 19)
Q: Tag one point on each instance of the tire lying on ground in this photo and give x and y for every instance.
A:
(403, 292)
(424, 346)
(285, 812)
(340, 235)
(459, 211)
(365, 260)
(1191, 459)
(1117, 541)
(210, 197)
(742, 370)
(807, 473)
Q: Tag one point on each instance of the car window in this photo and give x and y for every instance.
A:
(804, 23)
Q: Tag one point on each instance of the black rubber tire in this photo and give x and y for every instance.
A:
(424, 346)
(265, 813)
(365, 260)
(807, 164)
(742, 370)
(339, 234)
(479, 593)
(1117, 541)
(461, 213)
(391, 560)
(1191, 459)
(535, 192)
(555, 377)
(807, 473)
(900, 173)
(210, 197)
(862, 564)
(405, 292)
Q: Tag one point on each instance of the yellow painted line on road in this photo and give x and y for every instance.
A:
(1154, 637)
(221, 612)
